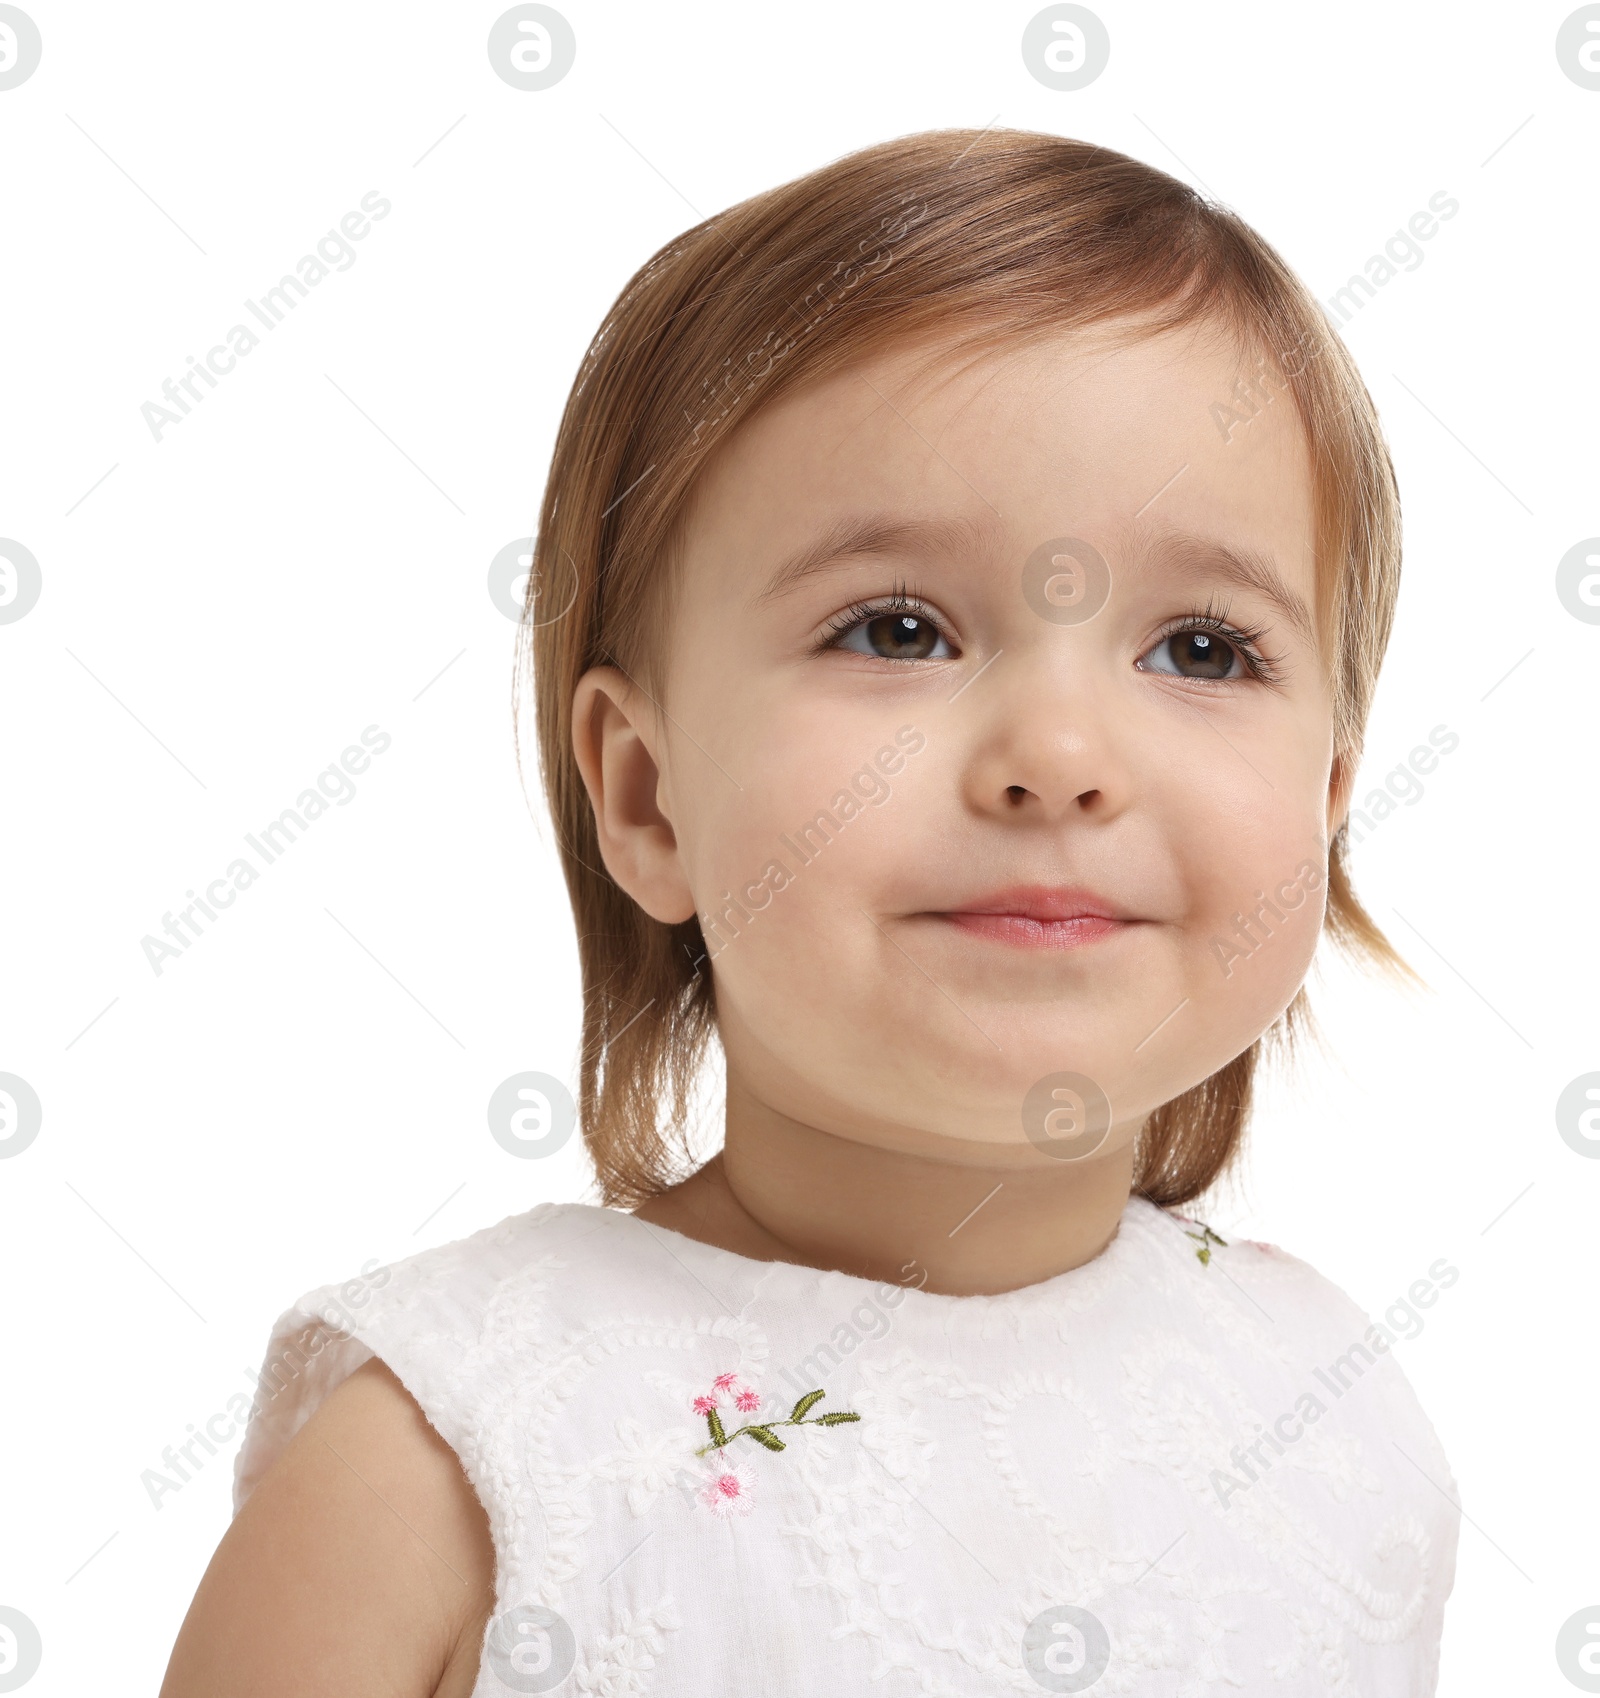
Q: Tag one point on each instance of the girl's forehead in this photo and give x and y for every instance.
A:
(1088, 430)
(1102, 369)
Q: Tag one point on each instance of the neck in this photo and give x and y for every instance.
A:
(969, 1219)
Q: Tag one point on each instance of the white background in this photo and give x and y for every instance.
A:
(306, 555)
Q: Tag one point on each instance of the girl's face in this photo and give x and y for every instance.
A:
(956, 661)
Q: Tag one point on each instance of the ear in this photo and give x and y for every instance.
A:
(1341, 781)
(616, 739)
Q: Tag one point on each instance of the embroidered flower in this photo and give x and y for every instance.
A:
(901, 1442)
(730, 1490)
(742, 1397)
(1146, 1645)
(622, 1662)
(647, 1464)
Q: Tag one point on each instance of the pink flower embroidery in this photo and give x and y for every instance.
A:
(730, 1490)
(746, 1399)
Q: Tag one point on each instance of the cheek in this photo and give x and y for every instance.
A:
(800, 838)
(814, 1004)
(1256, 887)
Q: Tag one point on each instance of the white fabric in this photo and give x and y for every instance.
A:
(1067, 1443)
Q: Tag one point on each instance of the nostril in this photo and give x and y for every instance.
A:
(1015, 792)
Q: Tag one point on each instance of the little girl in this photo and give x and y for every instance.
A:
(958, 597)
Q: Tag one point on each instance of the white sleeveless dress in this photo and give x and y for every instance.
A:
(1187, 1467)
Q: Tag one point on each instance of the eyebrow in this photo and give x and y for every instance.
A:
(874, 534)
(1186, 556)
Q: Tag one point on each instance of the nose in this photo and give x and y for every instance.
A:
(1046, 740)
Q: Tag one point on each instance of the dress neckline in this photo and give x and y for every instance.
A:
(692, 1252)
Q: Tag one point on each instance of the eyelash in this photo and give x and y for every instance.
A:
(1246, 639)
(860, 612)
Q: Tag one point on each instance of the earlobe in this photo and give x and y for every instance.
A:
(1341, 781)
(615, 739)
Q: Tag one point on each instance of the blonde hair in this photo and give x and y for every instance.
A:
(978, 238)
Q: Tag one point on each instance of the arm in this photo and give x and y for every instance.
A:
(360, 1567)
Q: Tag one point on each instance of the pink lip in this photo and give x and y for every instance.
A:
(1039, 917)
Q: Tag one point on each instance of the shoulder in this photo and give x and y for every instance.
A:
(359, 1497)
(427, 1317)
(1255, 1257)
(1285, 1309)
(1259, 1269)
(1268, 1267)
(366, 1533)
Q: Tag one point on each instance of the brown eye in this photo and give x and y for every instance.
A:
(896, 636)
(901, 636)
(1194, 654)
(1201, 654)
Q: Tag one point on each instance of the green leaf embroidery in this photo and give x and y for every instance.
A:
(1205, 1237)
(761, 1431)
